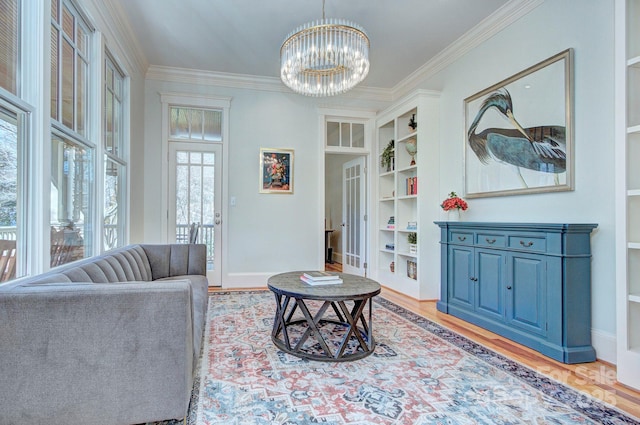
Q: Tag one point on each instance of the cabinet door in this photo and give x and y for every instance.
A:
(488, 280)
(461, 287)
(526, 292)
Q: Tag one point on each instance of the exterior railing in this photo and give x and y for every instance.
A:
(8, 233)
(206, 234)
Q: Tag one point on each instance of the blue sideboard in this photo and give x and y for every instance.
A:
(529, 282)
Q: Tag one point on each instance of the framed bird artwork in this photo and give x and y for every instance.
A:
(519, 132)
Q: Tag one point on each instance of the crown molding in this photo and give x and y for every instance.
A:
(490, 26)
(251, 82)
(114, 17)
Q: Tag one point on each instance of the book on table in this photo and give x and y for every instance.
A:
(320, 278)
(320, 275)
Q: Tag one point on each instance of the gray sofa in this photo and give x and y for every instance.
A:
(112, 339)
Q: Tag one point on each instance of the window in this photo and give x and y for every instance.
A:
(11, 142)
(69, 66)
(71, 182)
(345, 134)
(72, 157)
(195, 124)
(9, 19)
(114, 163)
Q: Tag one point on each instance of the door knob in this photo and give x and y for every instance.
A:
(217, 221)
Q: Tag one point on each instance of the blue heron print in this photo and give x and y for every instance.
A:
(541, 148)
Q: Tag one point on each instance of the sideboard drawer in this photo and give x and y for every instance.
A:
(487, 239)
(530, 243)
(461, 238)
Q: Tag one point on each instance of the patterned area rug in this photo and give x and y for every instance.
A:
(420, 373)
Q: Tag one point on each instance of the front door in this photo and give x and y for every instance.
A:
(353, 217)
(195, 211)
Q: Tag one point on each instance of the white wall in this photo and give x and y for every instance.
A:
(587, 27)
(267, 233)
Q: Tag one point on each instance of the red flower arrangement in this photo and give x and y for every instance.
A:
(453, 202)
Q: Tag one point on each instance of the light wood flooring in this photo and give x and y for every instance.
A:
(597, 379)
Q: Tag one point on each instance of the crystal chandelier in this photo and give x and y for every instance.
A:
(325, 57)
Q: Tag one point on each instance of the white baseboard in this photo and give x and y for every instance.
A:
(246, 280)
(605, 345)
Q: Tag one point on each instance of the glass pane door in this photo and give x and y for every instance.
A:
(195, 189)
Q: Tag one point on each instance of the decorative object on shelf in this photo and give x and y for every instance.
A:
(412, 269)
(541, 156)
(324, 57)
(390, 246)
(411, 146)
(412, 238)
(391, 223)
(413, 124)
(388, 156)
(392, 266)
(412, 225)
(276, 170)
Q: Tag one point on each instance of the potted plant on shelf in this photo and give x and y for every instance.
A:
(387, 156)
(412, 238)
(413, 124)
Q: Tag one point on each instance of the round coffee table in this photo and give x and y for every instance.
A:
(345, 335)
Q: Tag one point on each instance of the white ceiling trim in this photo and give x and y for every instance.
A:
(251, 82)
(490, 26)
(123, 35)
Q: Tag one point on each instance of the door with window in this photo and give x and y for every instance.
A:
(195, 213)
(353, 217)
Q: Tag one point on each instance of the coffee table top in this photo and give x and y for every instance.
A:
(353, 287)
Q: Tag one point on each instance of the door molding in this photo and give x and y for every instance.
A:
(196, 101)
(368, 118)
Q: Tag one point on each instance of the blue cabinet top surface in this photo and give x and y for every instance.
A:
(541, 227)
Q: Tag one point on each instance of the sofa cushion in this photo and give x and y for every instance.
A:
(199, 292)
(176, 260)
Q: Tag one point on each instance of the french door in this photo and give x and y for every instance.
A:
(195, 196)
(353, 217)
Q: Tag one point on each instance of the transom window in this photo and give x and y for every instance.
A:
(195, 124)
(345, 134)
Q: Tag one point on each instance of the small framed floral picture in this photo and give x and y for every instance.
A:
(276, 170)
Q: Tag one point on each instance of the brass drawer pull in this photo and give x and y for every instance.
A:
(462, 238)
(490, 241)
(526, 245)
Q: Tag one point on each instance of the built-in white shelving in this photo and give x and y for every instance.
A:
(404, 204)
(627, 89)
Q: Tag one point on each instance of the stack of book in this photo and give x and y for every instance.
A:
(320, 278)
(412, 186)
(391, 224)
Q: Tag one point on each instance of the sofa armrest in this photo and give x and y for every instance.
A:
(96, 353)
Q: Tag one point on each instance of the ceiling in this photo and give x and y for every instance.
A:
(244, 36)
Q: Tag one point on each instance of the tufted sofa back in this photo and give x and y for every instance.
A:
(142, 262)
